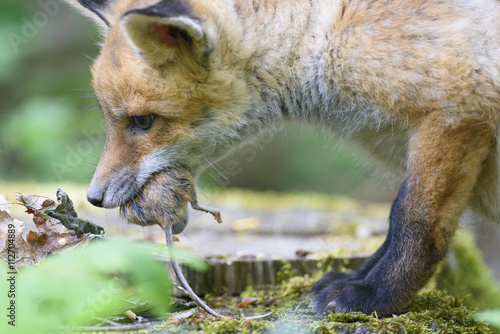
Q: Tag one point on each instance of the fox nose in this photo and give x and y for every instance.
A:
(95, 196)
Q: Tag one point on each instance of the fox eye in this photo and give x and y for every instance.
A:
(143, 122)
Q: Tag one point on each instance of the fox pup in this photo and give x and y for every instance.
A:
(164, 201)
(415, 83)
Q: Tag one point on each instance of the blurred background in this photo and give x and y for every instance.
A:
(51, 128)
(51, 131)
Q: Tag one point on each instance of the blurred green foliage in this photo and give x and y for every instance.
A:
(52, 130)
(46, 99)
(73, 288)
(492, 317)
(465, 273)
(102, 279)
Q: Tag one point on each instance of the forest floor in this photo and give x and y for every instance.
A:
(297, 228)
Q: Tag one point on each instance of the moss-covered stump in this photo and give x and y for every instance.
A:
(233, 276)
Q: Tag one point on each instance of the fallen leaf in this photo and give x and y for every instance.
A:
(16, 252)
(247, 301)
(4, 204)
(246, 324)
(36, 239)
(38, 203)
(57, 218)
(57, 227)
(50, 225)
(5, 220)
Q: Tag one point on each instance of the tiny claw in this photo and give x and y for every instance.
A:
(212, 211)
(217, 216)
(331, 307)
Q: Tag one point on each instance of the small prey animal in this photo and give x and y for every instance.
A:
(164, 201)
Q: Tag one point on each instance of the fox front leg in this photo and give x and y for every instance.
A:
(445, 159)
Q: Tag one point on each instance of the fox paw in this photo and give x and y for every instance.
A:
(330, 277)
(343, 293)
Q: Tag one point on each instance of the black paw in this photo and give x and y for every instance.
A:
(351, 295)
(331, 277)
(319, 292)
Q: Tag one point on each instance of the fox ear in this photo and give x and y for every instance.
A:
(167, 29)
(99, 10)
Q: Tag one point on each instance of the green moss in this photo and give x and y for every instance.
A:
(286, 272)
(251, 292)
(326, 263)
(428, 313)
(229, 325)
(431, 311)
(348, 318)
(465, 273)
(296, 287)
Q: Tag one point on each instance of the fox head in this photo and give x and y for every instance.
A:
(171, 87)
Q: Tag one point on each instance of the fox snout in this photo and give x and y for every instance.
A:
(110, 190)
(95, 196)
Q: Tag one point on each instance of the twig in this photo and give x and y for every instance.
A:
(187, 314)
(111, 322)
(132, 327)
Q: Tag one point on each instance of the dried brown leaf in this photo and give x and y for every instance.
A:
(19, 247)
(4, 204)
(51, 234)
(38, 203)
(51, 225)
(247, 301)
